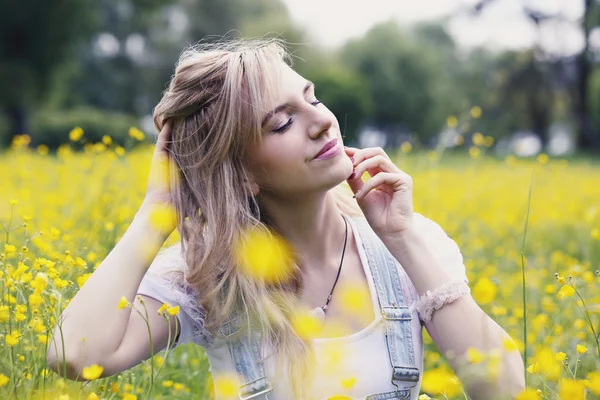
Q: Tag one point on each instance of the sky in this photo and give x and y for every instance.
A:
(502, 25)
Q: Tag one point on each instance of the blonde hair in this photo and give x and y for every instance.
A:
(216, 101)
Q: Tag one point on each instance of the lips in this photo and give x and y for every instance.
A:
(327, 146)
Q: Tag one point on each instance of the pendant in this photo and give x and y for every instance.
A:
(319, 315)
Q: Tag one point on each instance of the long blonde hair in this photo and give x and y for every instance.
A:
(216, 100)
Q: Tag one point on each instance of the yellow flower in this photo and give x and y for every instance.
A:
(476, 112)
(122, 303)
(114, 387)
(474, 152)
(12, 339)
(265, 256)
(474, 356)
(406, 147)
(594, 379)
(173, 310)
(561, 280)
(163, 218)
(136, 133)
(509, 344)
(452, 121)
(92, 372)
(226, 385)
(478, 139)
(167, 383)
(572, 389)
(581, 349)
(565, 291)
(93, 396)
(75, 134)
(107, 140)
(43, 339)
(4, 380)
(164, 307)
(9, 248)
(560, 356)
(529, 394)
(130, 397)
(349, 382)
(306, 325)
(542, 159)
(440, 381)
(424, 397)
(484, 291)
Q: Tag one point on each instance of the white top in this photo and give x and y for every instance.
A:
(365, 368)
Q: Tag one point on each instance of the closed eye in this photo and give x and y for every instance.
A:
(290, 121)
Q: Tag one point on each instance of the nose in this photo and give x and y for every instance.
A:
(320, 121)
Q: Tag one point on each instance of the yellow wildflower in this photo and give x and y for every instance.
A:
(75, 134)
(484, 291)
(136, 133)
(4, 380)
(565, 291)
(92, 372)
(123, 303)
(529, 394)
(581, 349)
(572, 389)
(173, 310)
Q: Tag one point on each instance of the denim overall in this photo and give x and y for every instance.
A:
(245, 348)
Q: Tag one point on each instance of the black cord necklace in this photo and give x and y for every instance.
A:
(319, 312)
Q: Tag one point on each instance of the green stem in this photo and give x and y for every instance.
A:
(524, 280)
(587, 314)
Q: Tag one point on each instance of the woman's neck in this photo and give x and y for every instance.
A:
(314, 227)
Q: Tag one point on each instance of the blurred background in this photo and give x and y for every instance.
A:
(521, 75)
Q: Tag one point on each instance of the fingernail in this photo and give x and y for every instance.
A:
(356, 194)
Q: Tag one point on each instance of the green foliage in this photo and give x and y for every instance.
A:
(52, 127)
(406, 79)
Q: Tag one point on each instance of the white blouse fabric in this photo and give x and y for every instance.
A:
(365, 369)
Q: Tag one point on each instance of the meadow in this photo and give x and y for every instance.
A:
(526, 227)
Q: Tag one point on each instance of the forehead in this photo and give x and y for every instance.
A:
(289, 84)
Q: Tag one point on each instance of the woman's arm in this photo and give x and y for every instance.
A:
(461, 324)
(92, 328)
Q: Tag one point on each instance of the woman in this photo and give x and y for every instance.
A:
(250, 146)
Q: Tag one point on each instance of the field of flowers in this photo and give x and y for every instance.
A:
(61, 215)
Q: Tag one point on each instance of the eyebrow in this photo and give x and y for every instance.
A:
(282, 107)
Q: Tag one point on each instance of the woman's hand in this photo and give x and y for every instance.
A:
(389, 207)
(158, 191)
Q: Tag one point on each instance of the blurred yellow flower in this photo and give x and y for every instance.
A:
(129, 396)
(476, 112)
(565, 291)
(348, 383)
(12, 339)
(9, 248)
(474, 152)
(529, 394)
(560, 356)
(107, 140)
(167, 383)
(439, 381)
(484, 291)
(452, 121)
(93, 396)
(136, 134)
(306, 325)
(570, 389)
(264, 256)
(75, 134)
(543, 159)
(4, 380)
(406, 147)
(475, 356)
(226, 385)
(478, 139)
(92, 372)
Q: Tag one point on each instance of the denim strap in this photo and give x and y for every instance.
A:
(394, 309)
(245, 352)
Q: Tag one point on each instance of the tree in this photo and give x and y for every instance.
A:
(36, 36)
(406, 78)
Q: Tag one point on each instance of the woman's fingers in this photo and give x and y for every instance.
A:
(164, 137)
